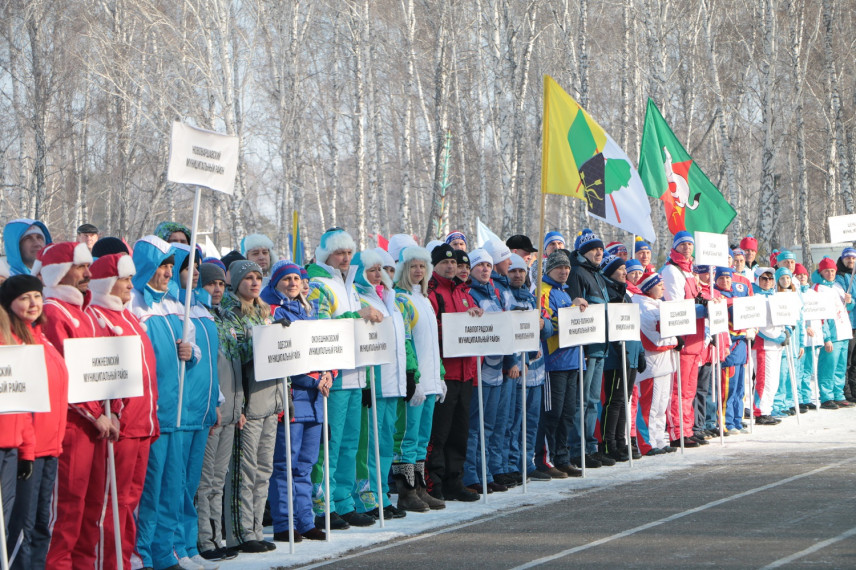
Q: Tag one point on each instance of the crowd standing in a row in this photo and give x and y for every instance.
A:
(196, 469)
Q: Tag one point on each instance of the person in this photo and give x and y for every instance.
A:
(23, 239)
(734, 365)
(457, 240)
(810, 341)
(716, 350)
(447, 449)
(768, 354)
(613, 417)
(634, 269)
(284, 295)
(642, 253)
(87, 234)
(784, 403)
(111, 288)
(680, 283)
(462, 273)
(40, 435)
(391, 381)
(5, 270)
(387, 263)
(252, 456)
(218, 447)
(562, 366)
(227, 260)
(411, 447)
(655, 380)
(553, 241)
(335, 297)
(521, 245)
(587, 282)
(173, 232)
(616, 248)
(749, 245)
(160, 510)
(844, 280)
(64, 269)
(258, 248)
(832, 364)
(746, 274)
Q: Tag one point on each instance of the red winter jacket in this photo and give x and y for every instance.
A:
(49, 427)
(448, 296)
(723, 339)
(16, 430)
(139, 414)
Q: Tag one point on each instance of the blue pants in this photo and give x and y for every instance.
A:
(472, 466)
(305, 442)
(8, 480)
(498, 446)
(514, 460)
(592, 379)
(193, 446)
(365, 489)
(785, 394)
(734, 385)
(805, 373)
(343, 411)
(29, 529)
(561, 395)
(705, 400)
(832, 371)
(417, 431)
(160, 510)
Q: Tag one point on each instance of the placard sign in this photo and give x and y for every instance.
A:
(202, 158)
(578, 328)
(818, 306)
(375, 342)
(717, 314)
(817, 328)
(488, 335)
(677, 318)
(783, 309)
(749, 312)
(711, 249)
(23, 379)
(304, 346)
(842, 228)
(103, 368)
(842, 322)
(622, 321)
(526, 327)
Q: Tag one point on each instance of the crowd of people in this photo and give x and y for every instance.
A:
(201, 464)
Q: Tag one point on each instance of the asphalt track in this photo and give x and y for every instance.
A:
(755, 510)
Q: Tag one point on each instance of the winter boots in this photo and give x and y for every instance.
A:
(422, 492)
(408, 498)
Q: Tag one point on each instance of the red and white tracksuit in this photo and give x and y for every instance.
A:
(139, 428)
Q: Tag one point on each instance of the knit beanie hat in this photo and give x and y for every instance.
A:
(54, 261)
(848, 252)
(456, 235)
(648, 280)
(462, 257)
(332, 240)
(641, 245)
(556, 259)
(397, 244)
(720, 271)
(216, 262)
(554, 236)
(230, 257)
(210, 272)
(785, 254)
(497, 250)
(633, 265)
(737, 251)
(699, 269)
(800, 269)
(480, 256)
(615, 248)
(749, 242)
(166, 229)
(610, 264)
(825, 263)
(781, 271)
(586, 241)
(108, 245)
(304, 274)
(16, 286)
(253, 241)
(239, 269)
(774, 255)
(282, 268)
(682, 237)
(441, 253)
(517, 262)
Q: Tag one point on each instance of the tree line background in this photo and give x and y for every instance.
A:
(344, 109)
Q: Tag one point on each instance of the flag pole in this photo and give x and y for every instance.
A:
(187, 287)
(544, 141)
(114, 498)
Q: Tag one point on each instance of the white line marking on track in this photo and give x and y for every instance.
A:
(811, 549)
(632, 531)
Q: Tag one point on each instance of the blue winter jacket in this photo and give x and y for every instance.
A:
(523, 298)
(842, 278)
(12, 238)
(554, 297)
(488, 298)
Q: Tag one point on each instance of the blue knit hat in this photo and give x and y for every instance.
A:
(586, 241)
(720, 271)
(610, 264)
(648, 281)
(553, 236)
(699, 269)
(281, 269)
(848, 252)
(641, 245)
(785, 255)
(682, 237)
(633, 265)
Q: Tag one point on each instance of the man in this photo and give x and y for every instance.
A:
(64, 269)
(258, 248)
(173, 232)
(87, 234)
(734, 365)
(844, 280)
(553, 241)
(332, 289)
(587, 282)
(447, 449)
(832, 363)
(680, 283)
(642, 252)
(740, 268)
(457, 240)
(24, 239)
(749, 245)
(522, 246)
(716, 350)
(617, 249)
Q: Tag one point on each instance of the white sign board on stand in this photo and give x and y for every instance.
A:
(23, 379)
(718, 317)
(375, 342)
(818, 306)
(487, 335)
(526, 327)
(622, 321)
(303, 346)
(749, 312)
(103, 368)
(677, 318)
(842, 228)
(711, 249)
(783, 309)
(203, 158)
(578, 328)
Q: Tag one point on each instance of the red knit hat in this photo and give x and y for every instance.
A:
(749, 242)
(826, 263)
(54, 261)
(800, 269)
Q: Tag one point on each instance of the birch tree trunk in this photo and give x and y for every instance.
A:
(769, 200)
(838, 134)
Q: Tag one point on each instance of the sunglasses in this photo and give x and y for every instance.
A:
(765, 278)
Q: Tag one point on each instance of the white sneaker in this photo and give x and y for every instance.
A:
(188, 564)
(205, 564)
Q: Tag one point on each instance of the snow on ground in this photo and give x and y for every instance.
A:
(819, 430)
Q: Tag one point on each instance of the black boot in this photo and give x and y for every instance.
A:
(408, 499)
(421, 490)
(635, 447)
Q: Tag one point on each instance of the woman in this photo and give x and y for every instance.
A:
(30, 526)
(392, 382)
(783, 405)
(284, 294)
(411, 286)
(252, 459)
(768, 353)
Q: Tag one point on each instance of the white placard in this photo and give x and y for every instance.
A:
(526, 328)
(23, 379)
(677, 318)
(487, 335)
(842, 320)
(818, 305)
(842, 228)
(817, 329)
(203, 158)
(103, 368)
(783, 309)
(622, 321)
(710, 249)
(303, 346)
(717, 314)
(374, 342)
(578, 328)
(749, 312)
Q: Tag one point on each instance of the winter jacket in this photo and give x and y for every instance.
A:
(588, 282)
(12, 239)
(633, 348)
(488, 298)
(139, 414)
(554, 296)
(659, 359)
(535, 373)
(451, 296)
(843, 277)
(49, 427)
(773, 335)
(680, 283)
(390, 380)
(420, 319)
(830, 326)
(228, 368)
(720, 350)
(16, 431)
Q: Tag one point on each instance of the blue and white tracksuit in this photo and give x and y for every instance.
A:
(768, 353)
(734, 365)
(785, 395)
(832, 366)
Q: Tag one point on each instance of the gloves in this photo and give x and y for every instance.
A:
(367, 397)
(642, 365)
(787, 338)
(418, 396)
(25, 469)
(442, 397)
(284, 321)
(680, 344)
(713, 340)
(411, 386)
(699, 300)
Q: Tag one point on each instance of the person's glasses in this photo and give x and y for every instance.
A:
(765, 278)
